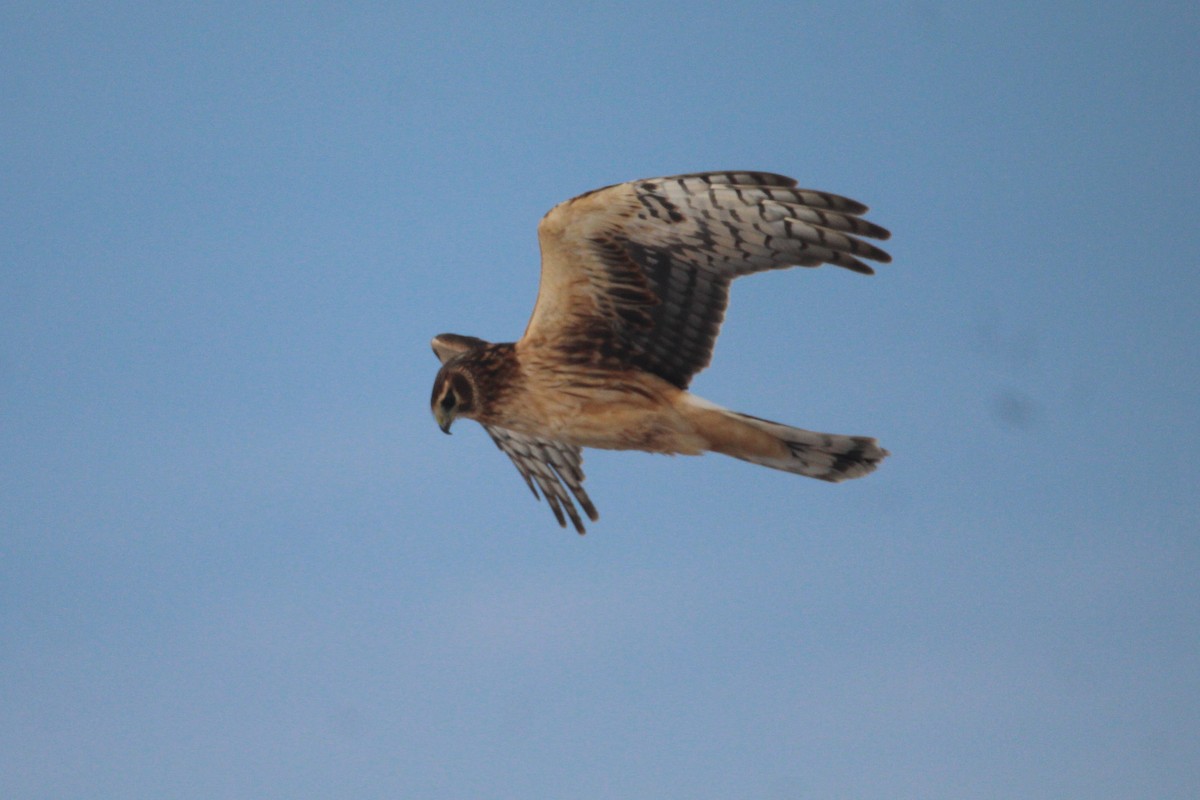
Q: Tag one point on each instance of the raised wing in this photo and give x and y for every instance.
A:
(637, 275)
(552, 466)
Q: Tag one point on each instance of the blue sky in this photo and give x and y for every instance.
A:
(238, 559)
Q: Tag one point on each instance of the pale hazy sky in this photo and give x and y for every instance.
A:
(239, 560)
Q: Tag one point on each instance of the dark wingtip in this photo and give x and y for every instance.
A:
(558, 514)
(854, 265)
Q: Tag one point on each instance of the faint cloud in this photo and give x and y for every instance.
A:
(1006, 345)
(1013, 408)
(1011, 351)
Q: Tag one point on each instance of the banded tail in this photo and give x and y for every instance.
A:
(825, 456)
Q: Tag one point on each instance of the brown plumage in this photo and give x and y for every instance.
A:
(635, 281)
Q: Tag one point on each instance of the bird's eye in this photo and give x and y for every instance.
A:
(448, 400)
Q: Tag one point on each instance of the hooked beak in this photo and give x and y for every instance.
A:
(444, 420)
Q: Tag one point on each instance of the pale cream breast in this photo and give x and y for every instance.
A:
(598, 408)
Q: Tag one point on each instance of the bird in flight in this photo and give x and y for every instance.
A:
(634, 284)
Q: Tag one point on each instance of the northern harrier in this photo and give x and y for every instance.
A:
(635, 280)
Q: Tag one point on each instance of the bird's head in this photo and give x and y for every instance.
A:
(453, 394)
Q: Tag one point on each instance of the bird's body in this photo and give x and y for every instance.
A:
(635, 281)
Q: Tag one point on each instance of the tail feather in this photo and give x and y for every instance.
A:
(825, 456)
